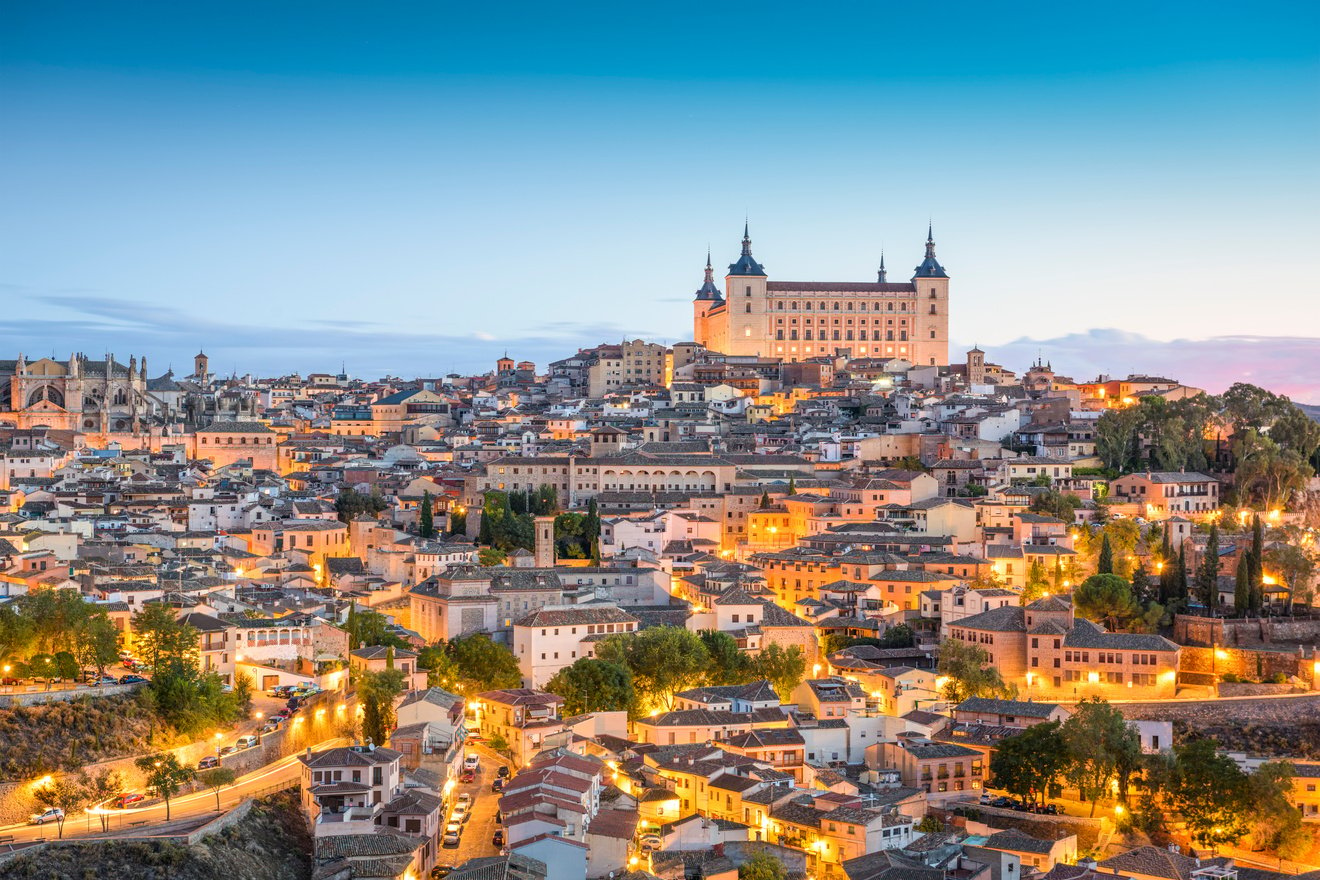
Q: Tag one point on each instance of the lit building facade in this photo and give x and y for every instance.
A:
(798, 320)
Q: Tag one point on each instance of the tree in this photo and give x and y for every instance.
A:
(1297, 431)
(216, 779)
(663, 660)
(930, 825)
(482, 665)
(1029, 763)
(1038, 582)
(351, 504)
(426, 518)
(1275, 821)
(969, 673)
(165, 776)
(1207, 573)
(366, 628)
(1107, 599)
(1242, 585)
(62, 795)
(782, 667)
(97, 643)
(593, 685)
(457, 521)
(441, 670)
(762, 866)
(1295, 568)
(792, 485)
(765, 500)
(1105, 563)
(1210, 792)
(729, 664)
(159, 636)
(376, 692)
(99, 788)
(1099, 745)
(1256, 566)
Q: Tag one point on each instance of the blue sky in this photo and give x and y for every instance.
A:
(413, 188)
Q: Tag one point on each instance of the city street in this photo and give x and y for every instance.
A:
(185, 810)
(478, 831)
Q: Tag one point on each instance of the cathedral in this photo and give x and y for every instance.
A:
(796, 320)
(108, 396)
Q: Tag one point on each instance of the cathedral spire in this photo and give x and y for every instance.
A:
(708, 290)
(882, 275)
(930, 267)
(746, 265)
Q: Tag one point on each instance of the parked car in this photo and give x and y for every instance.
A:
(987, 798)
(245, 742)
(132, 679)
(497, 839)
(279, 718)
(465, 798)
(469, 776)
(440, 871)
(499, 818)
(471, 762)
(127, 799)
(497, 784)
(460, 813)
(227, 750)
(208, 762)
(1003, 803)
(453, 831)
(10, 682)
(48, 816)
(104, 680)
(503, 771)
(269, 727)
(650, 842)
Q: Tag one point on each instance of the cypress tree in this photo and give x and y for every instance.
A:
(1207, 573)
(426, 523)
(1180, 574)
(1105, 563)
(765, 499)
(792, 485)
(1242, 586)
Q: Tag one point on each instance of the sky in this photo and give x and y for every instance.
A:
(415, 188)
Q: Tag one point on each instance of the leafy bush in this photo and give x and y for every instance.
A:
(66, 735)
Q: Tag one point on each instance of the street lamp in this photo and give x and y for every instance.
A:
(218, 736)
(260, 715)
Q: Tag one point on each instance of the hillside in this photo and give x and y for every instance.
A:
(270, 843)
(90, 730)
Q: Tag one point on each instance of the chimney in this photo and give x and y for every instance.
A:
(309, 751)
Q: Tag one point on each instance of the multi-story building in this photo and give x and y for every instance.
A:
(797, 320)
(945, 771)
(1050, 654)
(521, 717)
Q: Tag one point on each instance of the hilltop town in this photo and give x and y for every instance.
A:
(731, 607)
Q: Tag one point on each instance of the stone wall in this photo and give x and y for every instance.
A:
(1254, 664)
(31, 695)
(1203, 631)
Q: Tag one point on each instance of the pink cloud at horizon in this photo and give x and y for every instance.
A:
(1282, 364)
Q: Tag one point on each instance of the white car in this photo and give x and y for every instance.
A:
(465, 799)
(471, 762)
(452, 832)
(650, 842)
(460, 814)
(50, 815)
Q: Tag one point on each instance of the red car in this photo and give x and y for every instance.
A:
(469, 776)
(126, 800)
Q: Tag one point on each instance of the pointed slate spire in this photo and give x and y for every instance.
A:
(746, 265)
(708, 290)
(930, 267)
(882, 276)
